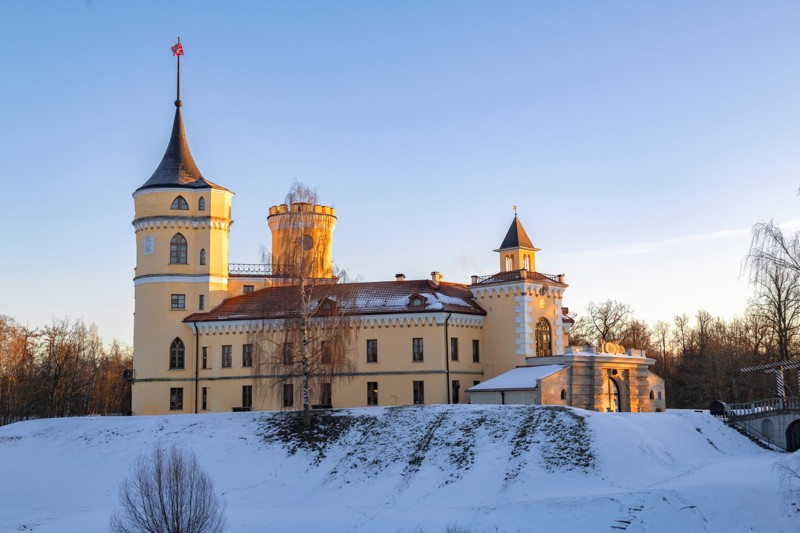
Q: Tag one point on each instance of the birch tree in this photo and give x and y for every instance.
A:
(307, 331)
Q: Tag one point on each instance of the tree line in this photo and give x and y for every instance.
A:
(62, 369)
(700, 358)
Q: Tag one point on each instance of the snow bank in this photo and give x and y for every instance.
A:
(484, 468)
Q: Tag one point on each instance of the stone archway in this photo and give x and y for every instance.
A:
(612, 400)
(793, 436)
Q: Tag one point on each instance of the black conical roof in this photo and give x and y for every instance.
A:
(177, 168)
(516, 237)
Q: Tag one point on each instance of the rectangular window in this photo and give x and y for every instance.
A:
(476, 351)
(416, 349)
(419, 392)
(456, 388)
(372, 393)
(202, 302)
(205, 356)
(288, 395)
(176, 399)
(205, 398)
(178, 301)
(659, 395)
(247, 355)
(325, 394)
(372, 350)
(227, 356)
(454, 349)
(327, 353)
(247, 289)
(476, 382)
(288, 356)
(247, 396)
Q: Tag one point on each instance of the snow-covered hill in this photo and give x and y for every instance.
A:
(477, 468)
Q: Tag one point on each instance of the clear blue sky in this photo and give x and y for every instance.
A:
(640, 141)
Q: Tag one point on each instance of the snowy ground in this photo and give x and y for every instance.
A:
(412, 469)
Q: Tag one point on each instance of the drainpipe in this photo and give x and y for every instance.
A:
(447, 356)
(196, 362)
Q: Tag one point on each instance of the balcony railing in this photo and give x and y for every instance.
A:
(516, 275)
(252, 269)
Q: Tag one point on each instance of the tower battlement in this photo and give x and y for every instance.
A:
(302, 207)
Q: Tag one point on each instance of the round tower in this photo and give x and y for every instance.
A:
(302, 239)
(181, 223)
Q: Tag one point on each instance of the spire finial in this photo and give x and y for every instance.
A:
(177, 50)
(515, 211)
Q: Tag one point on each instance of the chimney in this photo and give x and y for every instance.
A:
(436, 278)
(400, 277)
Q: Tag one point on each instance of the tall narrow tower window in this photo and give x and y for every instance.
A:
(177, 249)
(176, 351)
(509, 263)
(527, 262)
(201, 204)
(543, 338)
(203, 256)
(180, 203)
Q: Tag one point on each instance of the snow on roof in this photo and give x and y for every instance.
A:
(525, 377)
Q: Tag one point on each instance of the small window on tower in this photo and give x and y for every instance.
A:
(203, 256)
(180, 203)
(247, 289)
(201, 204)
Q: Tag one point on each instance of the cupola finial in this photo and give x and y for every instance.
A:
(177, 50)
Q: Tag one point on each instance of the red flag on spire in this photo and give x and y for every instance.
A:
(177, 50)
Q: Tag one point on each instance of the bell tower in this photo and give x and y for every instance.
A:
(517, 252)
(181, 223)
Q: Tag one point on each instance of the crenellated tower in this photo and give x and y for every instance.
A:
(181, 222)
(302, 239)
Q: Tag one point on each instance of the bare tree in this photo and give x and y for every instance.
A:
(169, 493)
(636, 335)
(770, 248)
(777, 300)
(581, 333)
(661, 334)
(608, 320)
(312, 342)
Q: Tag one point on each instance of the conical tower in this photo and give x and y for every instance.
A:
(517, 252)
(182, 222)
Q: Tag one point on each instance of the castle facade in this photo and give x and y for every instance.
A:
(210, 336)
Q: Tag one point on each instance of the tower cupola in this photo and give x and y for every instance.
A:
(517, 252)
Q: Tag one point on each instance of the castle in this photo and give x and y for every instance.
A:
(210, 336)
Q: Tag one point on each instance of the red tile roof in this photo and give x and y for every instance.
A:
(353, 298)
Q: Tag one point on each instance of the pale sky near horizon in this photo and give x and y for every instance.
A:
(640, 141)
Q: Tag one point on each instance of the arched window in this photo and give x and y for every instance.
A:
(180, 203)
(563, 394)
(203, 256)
(177, 249)
(509, 263)
(176, 351)
(543, 338)
(527, 262)
(652, 395)
(201, 204)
